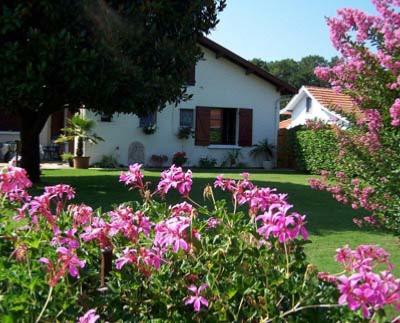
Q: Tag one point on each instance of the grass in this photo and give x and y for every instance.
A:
(329, 223)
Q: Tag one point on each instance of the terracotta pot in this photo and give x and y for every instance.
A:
(81, 162)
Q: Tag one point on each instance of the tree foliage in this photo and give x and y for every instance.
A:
(111, 56)
(296, 73)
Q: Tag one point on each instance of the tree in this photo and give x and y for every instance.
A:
(296, 73)
(110, 56)
(369, 71)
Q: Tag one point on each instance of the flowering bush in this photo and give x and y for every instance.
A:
(185, 262)
(179, 158)
(369, 71)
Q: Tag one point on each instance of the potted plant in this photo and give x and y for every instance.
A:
(179, 158)
(80, 129)
(266, 150)
(150, 129)
(158, 160)
(184, 133)
(69, 158)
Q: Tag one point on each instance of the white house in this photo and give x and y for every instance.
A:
(235, 104)
(319, 103)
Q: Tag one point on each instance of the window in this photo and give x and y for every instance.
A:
(218, 126)
(308, 104)
(105, 117)
(223, 126)
(148, 120)
(186, 118)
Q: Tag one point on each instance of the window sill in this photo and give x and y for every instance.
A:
(224, 147)
(9, 132)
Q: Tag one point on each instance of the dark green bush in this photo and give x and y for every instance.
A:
(314, 150)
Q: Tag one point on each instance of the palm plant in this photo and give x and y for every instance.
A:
(263, 148)
(81, 129)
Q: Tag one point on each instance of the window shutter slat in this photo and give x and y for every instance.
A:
(245, 127)
(202, 135)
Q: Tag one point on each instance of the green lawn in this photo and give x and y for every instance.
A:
(329, 223)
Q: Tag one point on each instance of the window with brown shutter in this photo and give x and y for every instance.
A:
(202, 134)
(245, 127)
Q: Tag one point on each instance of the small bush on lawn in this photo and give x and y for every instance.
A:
(150, 261)
(314, 149)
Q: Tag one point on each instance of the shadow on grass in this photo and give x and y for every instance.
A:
(324, 215)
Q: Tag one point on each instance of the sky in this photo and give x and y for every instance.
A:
(278, 29)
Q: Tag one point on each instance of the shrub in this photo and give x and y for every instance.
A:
(107, 161)
(158, 160)
(207, 162)
(314, 150)
(185, 262)
(179, 158)
(184, 133)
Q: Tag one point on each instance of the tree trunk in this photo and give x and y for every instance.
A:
(31, 124)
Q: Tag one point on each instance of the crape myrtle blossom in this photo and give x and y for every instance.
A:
(133, 177)
(276, 222)
(175, 178)
(89, 317)
(395, 113)
(197, 300)
(67, 260)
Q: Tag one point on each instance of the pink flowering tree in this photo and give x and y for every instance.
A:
(240, 258)
(369, 71)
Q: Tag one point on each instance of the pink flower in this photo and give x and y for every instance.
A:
(181, 209)
(123, 220)
(89, 317)
(133, 177)
(98, 230)
(13, 183)
(129, 256)
(175, 178)
(60, 191)
(13, 178)
(174, 232)
(395, 113)
(197, 300)
(212, 223)
(369, 291)
(280, 225)
(82, 214)
(152, 257)
(67, 260)
(67, 239)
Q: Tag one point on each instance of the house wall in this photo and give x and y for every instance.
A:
(220, 84)
(14, 135)
(300, 114)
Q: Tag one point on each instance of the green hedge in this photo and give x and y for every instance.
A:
(314, 150)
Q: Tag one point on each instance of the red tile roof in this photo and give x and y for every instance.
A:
(331, 99)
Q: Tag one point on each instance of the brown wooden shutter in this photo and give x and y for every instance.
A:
(202, 134)
(245, 127)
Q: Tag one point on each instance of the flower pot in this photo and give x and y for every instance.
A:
(81, 162)
(267, 164)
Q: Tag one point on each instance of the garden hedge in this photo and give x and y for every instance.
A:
(314, 150)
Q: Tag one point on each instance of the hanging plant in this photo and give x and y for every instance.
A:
(149, 130)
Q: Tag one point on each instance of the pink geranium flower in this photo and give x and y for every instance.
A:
(181, 209)
(89, 317)
(133, 177)
(196, 299)
(177, 179)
